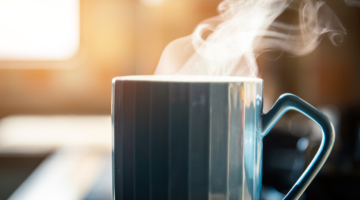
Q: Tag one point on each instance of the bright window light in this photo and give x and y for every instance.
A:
(152, 2)
(38, 29)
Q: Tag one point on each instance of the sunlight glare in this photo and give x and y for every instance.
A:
(38, 29)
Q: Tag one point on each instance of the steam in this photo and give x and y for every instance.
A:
(246, 28)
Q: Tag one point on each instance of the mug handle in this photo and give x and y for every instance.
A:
(288, 102)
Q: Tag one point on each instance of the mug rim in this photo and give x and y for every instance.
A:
(188, 78)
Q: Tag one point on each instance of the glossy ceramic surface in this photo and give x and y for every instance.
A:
(197, 138)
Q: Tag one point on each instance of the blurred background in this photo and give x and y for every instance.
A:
(57, 60)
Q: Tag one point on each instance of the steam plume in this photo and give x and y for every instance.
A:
(243, 30)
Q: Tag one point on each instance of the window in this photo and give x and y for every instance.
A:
(38, 29)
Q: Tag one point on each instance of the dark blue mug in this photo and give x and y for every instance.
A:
(198, 137)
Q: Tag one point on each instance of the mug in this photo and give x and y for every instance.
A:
(198, 137)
